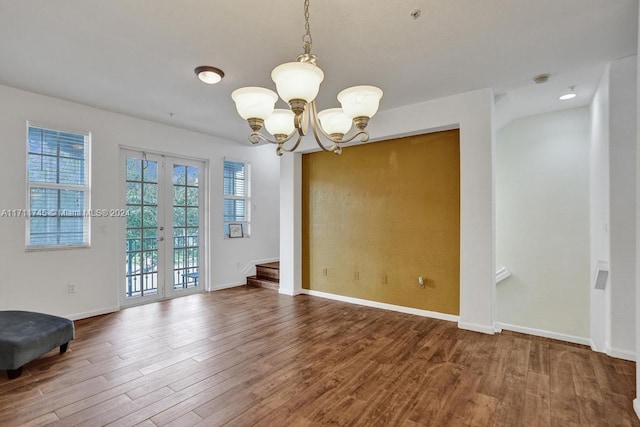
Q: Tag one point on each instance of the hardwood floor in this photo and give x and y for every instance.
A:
(248, 356)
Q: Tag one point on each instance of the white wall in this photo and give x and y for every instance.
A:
(622, 154)
(542, 224)
(636, 401)
(600, 314)
(291, 223)
(38, 280)
(613, 208)
(472, 112)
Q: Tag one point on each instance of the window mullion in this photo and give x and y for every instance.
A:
(53, 186)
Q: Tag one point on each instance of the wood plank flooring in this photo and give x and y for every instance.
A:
(249, 356)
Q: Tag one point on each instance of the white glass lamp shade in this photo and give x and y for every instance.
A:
(280, 122)
(209, 77)
(297, 80)
(360, 101)
(254, 102)
(334, 120)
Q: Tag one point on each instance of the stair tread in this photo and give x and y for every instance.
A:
(272, 265)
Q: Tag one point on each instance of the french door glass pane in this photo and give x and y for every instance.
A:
(142, 232)
(185, 227)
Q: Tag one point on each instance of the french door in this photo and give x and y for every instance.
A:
(164, 200)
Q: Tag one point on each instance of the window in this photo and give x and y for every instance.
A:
(58, 193)
(236, 197)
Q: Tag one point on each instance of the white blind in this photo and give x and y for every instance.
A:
(58, 188)
(234, 179)
(236, 195)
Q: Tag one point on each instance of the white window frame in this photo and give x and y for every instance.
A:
(86, 189)
(247, 198)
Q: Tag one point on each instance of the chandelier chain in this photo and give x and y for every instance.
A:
(307, 36)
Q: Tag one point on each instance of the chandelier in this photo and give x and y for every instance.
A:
(298, 84)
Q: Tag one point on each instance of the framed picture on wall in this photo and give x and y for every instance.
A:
(235, 230)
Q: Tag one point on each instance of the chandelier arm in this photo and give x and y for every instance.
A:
(315, 122)
(293, 148)
(314, 127)
(255, 137)
(364, 137)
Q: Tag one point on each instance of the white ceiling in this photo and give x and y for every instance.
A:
(137, 56)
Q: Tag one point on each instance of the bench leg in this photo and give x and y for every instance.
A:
(64, 347)
(14, 373)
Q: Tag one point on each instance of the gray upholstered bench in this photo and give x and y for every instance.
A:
(25, 336)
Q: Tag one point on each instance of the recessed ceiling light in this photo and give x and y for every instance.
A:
(208, 74)
(569, 95)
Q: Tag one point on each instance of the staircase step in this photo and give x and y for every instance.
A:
(263, 282)
(275, 265)
(270, 270)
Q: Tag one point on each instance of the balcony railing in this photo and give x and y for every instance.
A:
(142, 265)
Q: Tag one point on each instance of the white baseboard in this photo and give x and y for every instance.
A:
(382, 305)
(545, 334)
(636, 406)
(290, 293)
(226, 286)
(476, 327)
(622, 354)
(92, 313)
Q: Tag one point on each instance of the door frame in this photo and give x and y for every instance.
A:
(204, 278)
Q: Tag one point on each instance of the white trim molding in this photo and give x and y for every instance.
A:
(383, 305)
(471, 112)
(636, 406)
(476, 327)
(622, 354)
(545, 334)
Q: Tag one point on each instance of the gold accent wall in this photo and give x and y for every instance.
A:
(380, 215)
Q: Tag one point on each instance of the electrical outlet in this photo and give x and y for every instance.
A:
(72, 288)
(325, 272)
(356, 275)
(421, 281)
